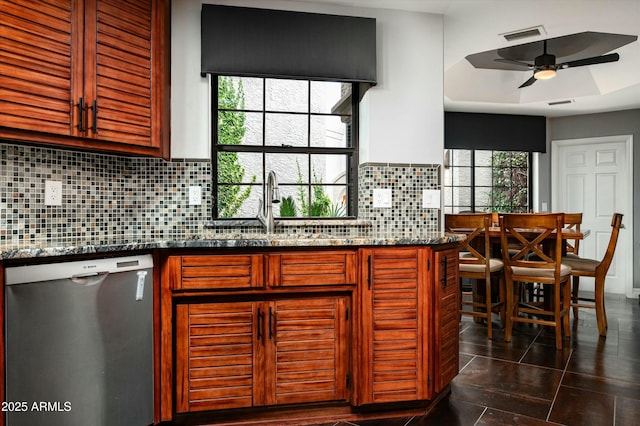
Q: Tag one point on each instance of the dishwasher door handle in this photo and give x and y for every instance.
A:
(89, 279)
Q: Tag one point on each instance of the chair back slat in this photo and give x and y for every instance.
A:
(538, 246)
(616, 223)
(477, 240)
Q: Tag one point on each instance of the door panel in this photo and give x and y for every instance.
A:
(36, 66)
(593, 177)
(310, 355)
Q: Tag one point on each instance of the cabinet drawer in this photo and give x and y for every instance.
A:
(221, 272)
(311, 268)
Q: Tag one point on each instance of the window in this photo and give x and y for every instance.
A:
(481, 181)
(305, 131)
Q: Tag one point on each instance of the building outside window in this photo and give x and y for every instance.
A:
(303, 130)
(487, 181)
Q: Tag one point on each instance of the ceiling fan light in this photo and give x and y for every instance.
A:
(544, 74)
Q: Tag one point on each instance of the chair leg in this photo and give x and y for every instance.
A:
(574, 294)
(488, 304)
(601, 315)
(502, 296)
(566, 307)
(556, 314)
(508, 311)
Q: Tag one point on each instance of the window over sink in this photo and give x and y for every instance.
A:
(304, 130)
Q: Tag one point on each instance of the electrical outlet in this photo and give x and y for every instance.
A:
(382, 197)
(195, 195)
(430, 198)
(52, 193)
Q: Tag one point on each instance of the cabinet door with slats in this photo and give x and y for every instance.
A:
(395, 338)
(446, 317)
(309, 338)
(36, 65)
(215, 357)
(120, 63)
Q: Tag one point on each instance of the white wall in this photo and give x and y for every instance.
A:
(402, 118)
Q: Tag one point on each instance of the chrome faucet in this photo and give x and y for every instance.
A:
(272, 195)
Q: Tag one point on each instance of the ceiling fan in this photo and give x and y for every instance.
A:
(546, 57)
(545, 67)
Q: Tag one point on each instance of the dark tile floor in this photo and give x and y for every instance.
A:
(593, 381)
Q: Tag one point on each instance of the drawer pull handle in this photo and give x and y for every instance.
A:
(271, 321)
(81, 109)
(369, 273)
(443, 280)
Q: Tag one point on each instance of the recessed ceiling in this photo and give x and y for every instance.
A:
(472, 26)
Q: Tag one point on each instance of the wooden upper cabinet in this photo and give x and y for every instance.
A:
(394, 326)
(86, 73)
(36, 65)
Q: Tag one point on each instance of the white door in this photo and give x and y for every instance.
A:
(594, 176)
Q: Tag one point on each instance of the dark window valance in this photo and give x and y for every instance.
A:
(499, 132)
(275, 43)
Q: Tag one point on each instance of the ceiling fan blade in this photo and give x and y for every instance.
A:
(511, 61)
(528, 82)
(613, 57)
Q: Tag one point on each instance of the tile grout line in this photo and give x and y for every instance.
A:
(480, 416)
(564, 372)
(529, 347)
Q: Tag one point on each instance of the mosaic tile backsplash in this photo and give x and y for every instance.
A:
(406, 217)
(111, 199)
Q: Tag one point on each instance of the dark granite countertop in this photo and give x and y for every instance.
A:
(230, 240)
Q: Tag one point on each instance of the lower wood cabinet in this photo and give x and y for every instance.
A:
(447, 318)
(248, 354)
(394, 334)
(342, 327)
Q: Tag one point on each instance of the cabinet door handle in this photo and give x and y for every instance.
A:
(271, 323)
(94, 111)
(259, 335)
(369, 272)
(443, 280)
(81, 109)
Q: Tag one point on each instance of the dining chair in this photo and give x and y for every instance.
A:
(539, 260)
(572, 221)
(582, 267)
(476, 263)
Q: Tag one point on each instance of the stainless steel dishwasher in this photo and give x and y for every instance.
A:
(79, 343)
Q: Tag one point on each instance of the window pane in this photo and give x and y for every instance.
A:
(238, 200)
(460, 157)
(462, 196)
(287, 95)
(329, 131)
(239, 167)
(483, 176)
(289, 205)
(286, 130)
(330, 97)
(249, 88)
(461, 176)
(239, 128)
(483, 158)
(328, 168)
(483, 198)
(290, 168)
